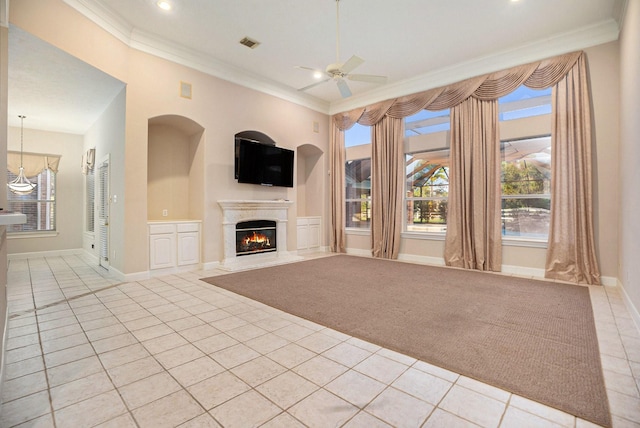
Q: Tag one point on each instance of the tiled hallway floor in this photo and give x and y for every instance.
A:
(84, 350)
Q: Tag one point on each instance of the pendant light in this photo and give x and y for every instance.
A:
(21, 185)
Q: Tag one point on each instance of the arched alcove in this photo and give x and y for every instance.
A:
(175, 168)
(310, 183)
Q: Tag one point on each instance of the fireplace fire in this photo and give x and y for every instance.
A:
(258, 236)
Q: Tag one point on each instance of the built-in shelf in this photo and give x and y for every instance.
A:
(8, 217)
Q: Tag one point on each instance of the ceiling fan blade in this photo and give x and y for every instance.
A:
(367, 78)
(351, 64)
(343, 88)
(314, 85)
(308, 68)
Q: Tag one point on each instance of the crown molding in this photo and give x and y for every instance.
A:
(162, 48)
(103, 17)
(592, 35)
(179, 54)
(603, 32)
(620, 11)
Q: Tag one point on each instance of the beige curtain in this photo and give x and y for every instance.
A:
(337, 159)
(536, 75)
(387, 171)
(571, 250)
(32, 163)
(473, 239)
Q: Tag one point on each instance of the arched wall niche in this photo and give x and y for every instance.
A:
(310, 187)
(175, 169)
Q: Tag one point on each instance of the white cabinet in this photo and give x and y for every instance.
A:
(174, 244)
(309, 232)
(188, 243)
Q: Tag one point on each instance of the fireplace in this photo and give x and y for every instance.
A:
(266, 217)
(257, 236)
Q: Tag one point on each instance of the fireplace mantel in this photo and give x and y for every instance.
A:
(235, 211)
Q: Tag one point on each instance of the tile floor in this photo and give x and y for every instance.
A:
(84, 350)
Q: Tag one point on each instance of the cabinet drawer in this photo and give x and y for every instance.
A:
(188, 227)
(155, 229)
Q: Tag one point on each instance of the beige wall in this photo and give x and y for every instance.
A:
(221, 108)
(224, 109)
(629, 169)
(106, 136)
(69, 189)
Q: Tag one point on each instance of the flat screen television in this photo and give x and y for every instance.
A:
(258, 163)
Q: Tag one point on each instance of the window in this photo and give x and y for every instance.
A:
(427, 190)
(526, 182)
(358, 193)
(525, 173)
(357, 135)
(39, 206)
(525, 102)
(90, 180)
(427, 122)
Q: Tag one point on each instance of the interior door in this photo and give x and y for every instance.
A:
(103, 212)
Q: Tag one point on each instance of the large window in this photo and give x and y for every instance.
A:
(358, 193)
(526, 182)
(427, 190)
(39, 206)
(525, 172)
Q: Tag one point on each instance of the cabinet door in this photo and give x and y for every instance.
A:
(303, 235)
(188, 248)
(314, 235)
(162, 250)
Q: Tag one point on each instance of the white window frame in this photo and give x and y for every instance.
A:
(355, 230)
(48, 213)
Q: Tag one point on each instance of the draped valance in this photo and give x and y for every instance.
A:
(536, 75)
(88, 161)
(33, 163)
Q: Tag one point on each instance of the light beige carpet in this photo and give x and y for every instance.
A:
(534, 338)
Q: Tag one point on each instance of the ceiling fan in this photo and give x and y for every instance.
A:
(338, 71)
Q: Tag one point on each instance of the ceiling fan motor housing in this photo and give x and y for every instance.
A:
(335, 70)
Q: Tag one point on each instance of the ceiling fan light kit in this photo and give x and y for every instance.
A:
(339, 71)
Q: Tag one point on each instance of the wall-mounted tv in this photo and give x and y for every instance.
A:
(258, 163)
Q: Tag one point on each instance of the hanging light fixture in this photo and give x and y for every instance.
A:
(21, 185)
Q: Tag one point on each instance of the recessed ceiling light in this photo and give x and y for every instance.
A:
(317, 74)
(164, 5)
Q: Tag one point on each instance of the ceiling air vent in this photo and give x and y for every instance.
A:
(250, 43)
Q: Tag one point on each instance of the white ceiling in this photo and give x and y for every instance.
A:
(54, 90)
(418, 44)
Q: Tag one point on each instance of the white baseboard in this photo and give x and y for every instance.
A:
(210, 265)
(633, 311)
(52, 253)
(523, 271)
(423, 260)
(358, 252)
(3, 350)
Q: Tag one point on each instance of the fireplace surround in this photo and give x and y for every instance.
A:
(257, 212)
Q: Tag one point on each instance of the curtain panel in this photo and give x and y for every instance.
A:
(474, 239)
(571, 254)
(567, 75)
(387, 173)
(337, 158)
(32, 163)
